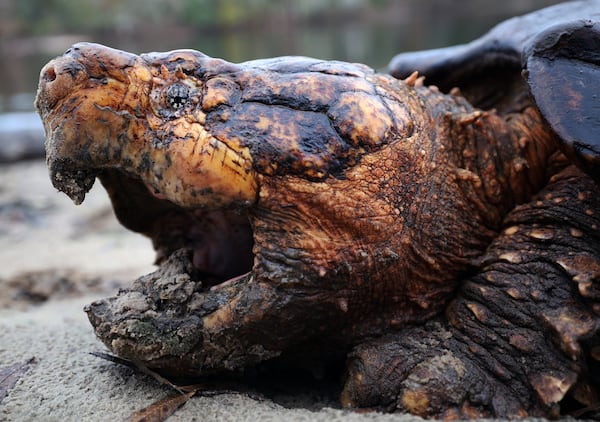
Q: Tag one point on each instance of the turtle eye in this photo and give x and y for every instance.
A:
(177, 96)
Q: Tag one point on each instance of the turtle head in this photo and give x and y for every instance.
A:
(105, 110)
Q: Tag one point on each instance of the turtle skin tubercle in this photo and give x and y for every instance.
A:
(307, 210)
(519, 334)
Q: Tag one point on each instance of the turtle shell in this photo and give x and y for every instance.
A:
(554, 51)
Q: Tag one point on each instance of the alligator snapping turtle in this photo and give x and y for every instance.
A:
(311, 211)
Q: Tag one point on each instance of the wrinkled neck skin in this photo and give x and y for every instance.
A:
(367, 196)
(405, 222)
(383, 243)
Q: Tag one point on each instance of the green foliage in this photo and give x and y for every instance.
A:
(40, 17)
(59, 16)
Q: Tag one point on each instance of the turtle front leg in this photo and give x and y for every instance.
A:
(425, 371)
(518, 337)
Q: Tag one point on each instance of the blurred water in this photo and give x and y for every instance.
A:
(372, 36)
(369, 43)
(368, 38)
(21, 136)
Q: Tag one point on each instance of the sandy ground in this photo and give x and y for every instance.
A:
(65, 383)
(56, 257)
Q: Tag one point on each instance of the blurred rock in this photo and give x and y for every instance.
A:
(21, 136)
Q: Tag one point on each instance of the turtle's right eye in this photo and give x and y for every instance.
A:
(177, 96)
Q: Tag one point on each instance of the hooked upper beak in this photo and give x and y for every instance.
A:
(60, 78)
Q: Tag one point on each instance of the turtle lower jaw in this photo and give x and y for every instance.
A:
(205, 264)
(164, 318)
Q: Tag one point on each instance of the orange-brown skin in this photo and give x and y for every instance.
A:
(367, 198)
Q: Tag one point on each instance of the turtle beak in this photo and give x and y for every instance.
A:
(80, 63)
(63, 84)
(57, 79)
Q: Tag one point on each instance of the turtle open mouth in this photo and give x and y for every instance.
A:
(219, 241)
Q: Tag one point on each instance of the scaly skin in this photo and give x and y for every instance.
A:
(365, 199)
(518, 333)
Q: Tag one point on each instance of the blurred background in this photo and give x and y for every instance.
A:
(366, 31)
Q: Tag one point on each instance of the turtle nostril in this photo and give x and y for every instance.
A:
(57, 79)
(49, 74)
